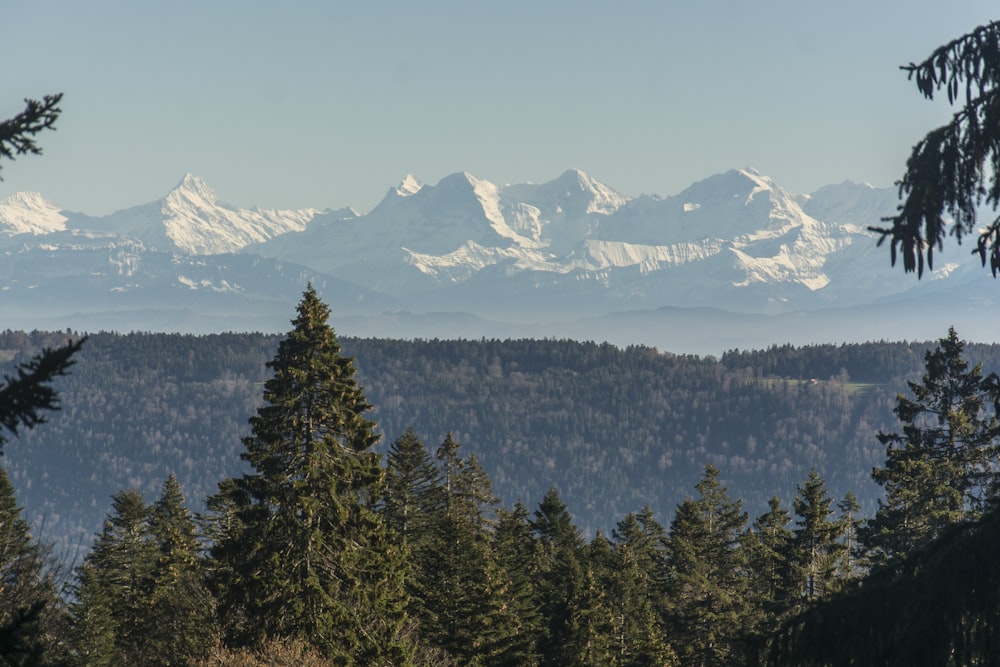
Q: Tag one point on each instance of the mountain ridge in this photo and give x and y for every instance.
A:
(569, 249)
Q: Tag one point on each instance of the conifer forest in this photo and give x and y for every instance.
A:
(327, 547)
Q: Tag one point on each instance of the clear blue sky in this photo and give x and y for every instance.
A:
(318, 103)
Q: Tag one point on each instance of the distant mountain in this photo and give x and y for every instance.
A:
(29, 213)
(735, 240)
(519, 258)
(100, 281)
(189, 219)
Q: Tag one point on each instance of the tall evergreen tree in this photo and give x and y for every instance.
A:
(180, 619)
(32, 618)
(113, 586)
(941, 468)
(852, 561)
(633, 592)
(514, 546)
(565, 585)
(468, 491)
(306, 554)
(459, 588)
(708, 588)
(29, 609)
(411, 480)
(816, 541)
(770, 552)
(599, 620)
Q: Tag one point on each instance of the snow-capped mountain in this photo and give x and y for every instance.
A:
(569, 248)
(734, 240)
(29, 213)
(189, 219)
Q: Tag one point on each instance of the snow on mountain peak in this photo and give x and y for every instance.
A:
(197, 223)
(193, 189)
(603, 199)
(30, 213)
(740, 223)
(33, 200)
(409, 186)
(191, 219)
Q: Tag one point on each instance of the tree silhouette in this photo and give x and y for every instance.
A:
(17, 133)
(955, 169)
(27, 392)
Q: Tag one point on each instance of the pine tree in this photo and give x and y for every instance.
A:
(708, 593)
(852, 561)
(460, 588)
(771, 554)
(565, 588)
(411, 479)
(113, 586)
(633, 592)
(306, 555)
(32, 619)
(941, 468)
(514, 546)
(179, 624)
(817, 548)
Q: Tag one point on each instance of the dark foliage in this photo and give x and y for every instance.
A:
(939, 607)
(17, 133)
(955, 169)
(27, 392)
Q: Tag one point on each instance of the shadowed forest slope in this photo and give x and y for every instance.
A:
(614, 429)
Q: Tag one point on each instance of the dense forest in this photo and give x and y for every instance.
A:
(613, 429)
(321, 549)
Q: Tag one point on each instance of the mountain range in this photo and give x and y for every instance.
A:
(732, 261)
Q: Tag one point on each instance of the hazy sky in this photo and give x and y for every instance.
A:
(328, 104)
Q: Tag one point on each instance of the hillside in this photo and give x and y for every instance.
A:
(614, 429)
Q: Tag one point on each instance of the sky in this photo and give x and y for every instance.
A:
(327, 104)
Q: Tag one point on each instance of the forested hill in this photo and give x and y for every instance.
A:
(615, 430)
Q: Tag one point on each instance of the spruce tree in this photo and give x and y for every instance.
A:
(709, 609)
(817, 548)
(774, 589)
(460, 589)
(32, 618)
(564, 583)
(305, 554)
(852, 561)
(468, 491)
(514, 546)
(113, 586)
(633, 592)
(411, 480)
(180, 620)
(941, 468)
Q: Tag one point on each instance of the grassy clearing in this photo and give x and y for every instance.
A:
(852, 388)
